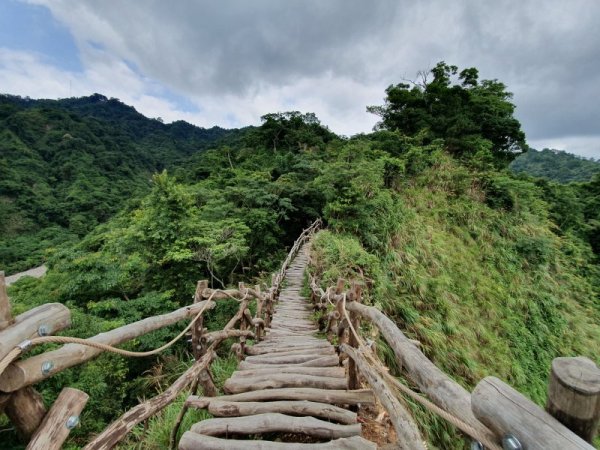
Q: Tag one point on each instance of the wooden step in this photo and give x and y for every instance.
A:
(193, 441)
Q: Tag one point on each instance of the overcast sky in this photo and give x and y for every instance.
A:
(229, 62)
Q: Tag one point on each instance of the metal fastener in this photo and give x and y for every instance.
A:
(43, 330)
(24, 345)
(47, 367)
(509, 442)
(72, 422)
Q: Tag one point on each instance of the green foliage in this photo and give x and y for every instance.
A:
(556, 165)
(476, 273)
(68, 165)
(473, 117)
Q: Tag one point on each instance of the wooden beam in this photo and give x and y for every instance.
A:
(574, 395)
(335, 397)
(193, 441)
(52, 317)
(60, 420)
(275, 423)
(407, 431)
(28, 371)
(439, 387)
(506, 411)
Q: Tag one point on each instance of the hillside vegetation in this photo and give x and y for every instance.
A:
(68, 165)
(495, 274)
(556, 165)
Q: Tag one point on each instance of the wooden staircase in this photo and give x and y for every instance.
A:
(290, 386)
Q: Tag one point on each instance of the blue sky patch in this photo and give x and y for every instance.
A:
(32, 28)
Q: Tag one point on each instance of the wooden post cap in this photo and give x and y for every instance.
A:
(579, 374)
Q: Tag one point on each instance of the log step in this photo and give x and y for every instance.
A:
(235, 385)
(193, 441)
(224, 408)
(275, 423)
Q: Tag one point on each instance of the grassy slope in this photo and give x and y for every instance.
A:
(487, 291)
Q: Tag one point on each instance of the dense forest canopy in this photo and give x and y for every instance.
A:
(494, 273)
(69, 165)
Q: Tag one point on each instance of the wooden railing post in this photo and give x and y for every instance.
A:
(25, 407)
(354, 296)
(60, 420)
(205, 377)
(574, 395)
(5, 314)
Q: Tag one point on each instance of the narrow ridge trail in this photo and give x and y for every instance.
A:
(290, 388)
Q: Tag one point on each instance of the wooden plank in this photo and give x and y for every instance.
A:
(60, 420)
(506, 411)
(53, 316)
(277, 380)
(193, 441)
(27, 372)
(439, 387)
(275, 423)
(336, 372)
(407, 430)
(328, 360)
(221, 408)
(324, 361)
(574, 395)
(335, 397)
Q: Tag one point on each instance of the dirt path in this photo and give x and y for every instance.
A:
(36, 272)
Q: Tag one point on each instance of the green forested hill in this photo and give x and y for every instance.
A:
(556, 165)
(494, 273)
(68, 165)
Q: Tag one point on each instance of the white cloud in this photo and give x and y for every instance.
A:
(239, 60)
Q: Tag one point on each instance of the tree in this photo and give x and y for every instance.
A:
(292, 131)
(465, 113)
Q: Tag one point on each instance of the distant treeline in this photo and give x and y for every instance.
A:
(556, 165)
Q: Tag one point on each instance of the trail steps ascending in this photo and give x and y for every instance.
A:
(290, 385)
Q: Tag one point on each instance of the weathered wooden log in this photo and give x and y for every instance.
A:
(60, 420)
(193, 441)
(119, 428)
(198, 327)
(221, 335)
(219, 408)
(318, 351)
(439, 387)
(25, 409)
(574, 395)
(45, 319)
(323, 361)
(275, 423)
(354, 296)
(277, 380)
(290, 359)
(5, 314)
(506, 411)
(335, 397)
(336, 372)
(207, 383)
(28, 371)
(261, 350)
(407, 430)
